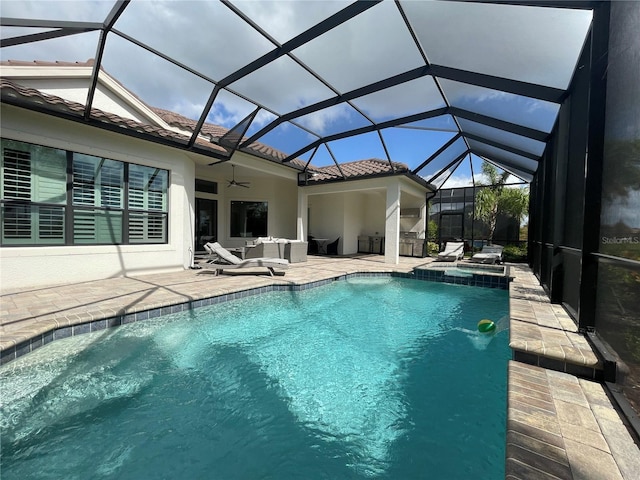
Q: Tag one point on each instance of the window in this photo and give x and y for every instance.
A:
(249, 219)
(97, 182)
(147, 204)
(110, 202)
(206, 186)
(33, 194)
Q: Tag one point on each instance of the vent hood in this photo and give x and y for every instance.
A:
(410, 212)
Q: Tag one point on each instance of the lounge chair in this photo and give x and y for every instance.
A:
(490, 254)
(225, 260)
(452, 251)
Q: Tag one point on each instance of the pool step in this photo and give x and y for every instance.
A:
(480, 278)
(544, 335)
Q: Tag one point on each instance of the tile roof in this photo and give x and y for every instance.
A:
(15, 93)
(359, 168)
(215, 132)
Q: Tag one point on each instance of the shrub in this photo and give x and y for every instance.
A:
(432, 248)
(515, 253)
(432, 231)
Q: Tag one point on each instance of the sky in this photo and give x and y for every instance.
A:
(212, 39)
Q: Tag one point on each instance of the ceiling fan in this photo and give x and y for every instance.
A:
(233, 183)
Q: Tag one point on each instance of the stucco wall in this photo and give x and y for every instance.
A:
(374, 214)
(34, 266)
(347, 215)
(327, 214)
(281, 196)
(354, 220)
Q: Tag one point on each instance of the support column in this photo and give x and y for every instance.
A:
(424, 222)
(302, 220)
(392, 225)
(594, 165)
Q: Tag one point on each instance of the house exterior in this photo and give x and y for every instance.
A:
(109, 197)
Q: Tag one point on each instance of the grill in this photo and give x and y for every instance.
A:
(411, 245)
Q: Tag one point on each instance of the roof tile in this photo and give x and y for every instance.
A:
(31, 95)
(350, 170)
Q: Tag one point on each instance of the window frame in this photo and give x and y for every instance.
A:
(232, 217)
(112, 222)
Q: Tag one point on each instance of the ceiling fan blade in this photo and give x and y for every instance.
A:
(233, 183)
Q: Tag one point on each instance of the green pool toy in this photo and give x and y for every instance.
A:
(486, 326)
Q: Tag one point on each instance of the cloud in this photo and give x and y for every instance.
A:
(330, 119)
(76, 10)
(455, 181)
(623, 209)
(449, 33)
(416, 96)
(363, 50)
(284, 20)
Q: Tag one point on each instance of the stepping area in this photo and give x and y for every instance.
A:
(561, 424)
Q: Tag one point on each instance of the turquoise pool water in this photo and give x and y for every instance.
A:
(366, 378)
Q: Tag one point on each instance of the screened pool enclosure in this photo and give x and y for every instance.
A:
(546, 91)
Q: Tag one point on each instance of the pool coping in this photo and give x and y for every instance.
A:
(554, 378)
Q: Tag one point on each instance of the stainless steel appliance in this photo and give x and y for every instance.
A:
(371, 244)
(410, 245)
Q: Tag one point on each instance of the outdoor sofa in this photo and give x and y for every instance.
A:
(294, 251)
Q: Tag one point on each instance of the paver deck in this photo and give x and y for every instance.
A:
(560, 421)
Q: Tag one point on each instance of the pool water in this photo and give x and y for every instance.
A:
(366, 378)
(468, 269)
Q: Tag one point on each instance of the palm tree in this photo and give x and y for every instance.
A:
(495, 198)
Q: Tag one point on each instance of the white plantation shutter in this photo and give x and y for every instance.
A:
(50, 179)
(84, 192)
(44, 180)
(35, 204)
(97, 226)
(16, 175)
(97, 182)
(112, 184)
(147, 204)
(16, 185)
(51, 224)
(136, 188)
(26, 180)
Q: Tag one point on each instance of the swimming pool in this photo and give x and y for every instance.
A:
(364, 378)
